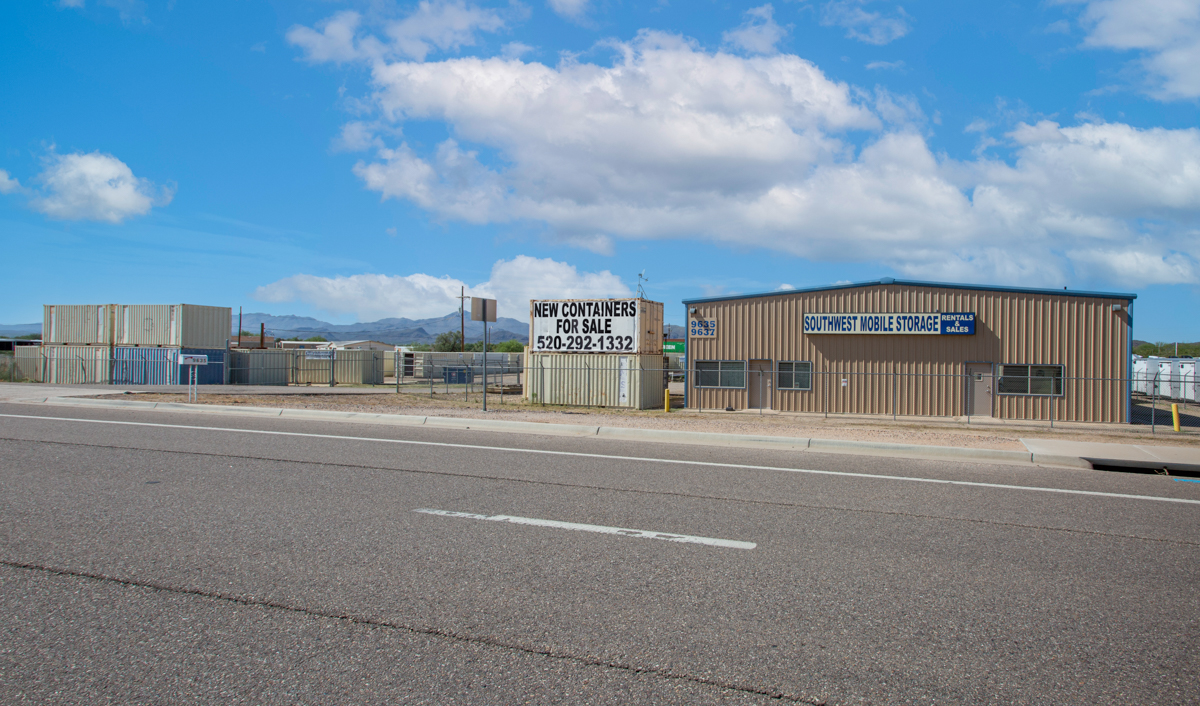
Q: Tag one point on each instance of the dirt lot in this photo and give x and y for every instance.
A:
(923, 431)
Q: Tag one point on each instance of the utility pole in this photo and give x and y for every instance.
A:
(462, 320)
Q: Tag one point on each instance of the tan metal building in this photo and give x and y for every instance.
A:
(915, 348)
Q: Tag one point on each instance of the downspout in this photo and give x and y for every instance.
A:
(687, 355)
(1129, 367)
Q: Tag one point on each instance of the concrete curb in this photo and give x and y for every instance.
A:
(861, 448)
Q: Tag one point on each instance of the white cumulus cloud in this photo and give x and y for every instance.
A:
(8, 184)
(864, 25)
(417, 296)
(94, 187)
(1165, 32)
(759, 33)
(569, 9)
(673, 141)
(443, 25)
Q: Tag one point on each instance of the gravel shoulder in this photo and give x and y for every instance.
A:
(931, 432)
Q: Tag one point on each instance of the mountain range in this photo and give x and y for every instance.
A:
(393, 330)
(8, 330)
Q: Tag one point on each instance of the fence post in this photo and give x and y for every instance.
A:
(1154, 401)
(826, 386)
(970, 395)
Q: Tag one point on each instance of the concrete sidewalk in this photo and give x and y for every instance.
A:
(1170, 458)
(1040, 453)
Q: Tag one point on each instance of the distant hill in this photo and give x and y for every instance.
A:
(674, 332)
(10, 330)
(393, 330)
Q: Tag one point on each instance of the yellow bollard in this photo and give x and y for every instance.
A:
(1175, 415)
(667, 406)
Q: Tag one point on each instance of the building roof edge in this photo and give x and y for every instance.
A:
(914, 283)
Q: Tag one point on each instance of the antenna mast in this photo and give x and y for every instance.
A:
(641, 291)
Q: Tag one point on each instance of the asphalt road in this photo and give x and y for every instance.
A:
(174, 558)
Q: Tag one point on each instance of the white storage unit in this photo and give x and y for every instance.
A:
(595, 380)
(162, 325)
(77, 365)
(79, 324)
(1168, 378)
(181, 325)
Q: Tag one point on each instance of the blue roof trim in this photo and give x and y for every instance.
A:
(914, 283)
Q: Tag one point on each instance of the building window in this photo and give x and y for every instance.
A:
(1031, 379)
(721, 373)
(794, 375)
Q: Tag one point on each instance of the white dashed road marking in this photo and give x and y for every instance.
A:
(601, 529)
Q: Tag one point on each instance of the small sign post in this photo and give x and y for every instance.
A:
(484, 310)
(190, 361)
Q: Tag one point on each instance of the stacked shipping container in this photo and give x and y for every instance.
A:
(132, 344)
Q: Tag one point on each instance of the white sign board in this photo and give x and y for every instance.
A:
(318, 355)
(702, 328)
(192, 359)
(589, 326)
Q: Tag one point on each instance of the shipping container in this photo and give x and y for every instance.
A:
(260, 367)
(180, 325)
(427, 364)
(164, 325)
(145, 366)
(79, 324)
(30, 362)
(77, 365)
(595, 380)
(211, 374)
(348, 367)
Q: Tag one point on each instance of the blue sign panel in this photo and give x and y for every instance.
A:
(958, 324)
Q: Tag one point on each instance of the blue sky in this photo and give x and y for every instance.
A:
(357, 160)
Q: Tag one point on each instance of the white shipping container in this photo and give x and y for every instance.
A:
(595, 380)
(82, 324)
(77, 365)
(182, 325)
(176, 325)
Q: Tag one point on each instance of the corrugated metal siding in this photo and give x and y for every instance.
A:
(350, 368)
(260, 367)
(204, 326)
(145, 366)
(78, 324)
(183, 325)
(211, 374)
(77, 365)
(30, 362)
(593, 380)
(147, 324)
(428, 364)
(924, 375)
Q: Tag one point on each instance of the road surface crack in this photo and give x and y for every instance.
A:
(432, 632)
